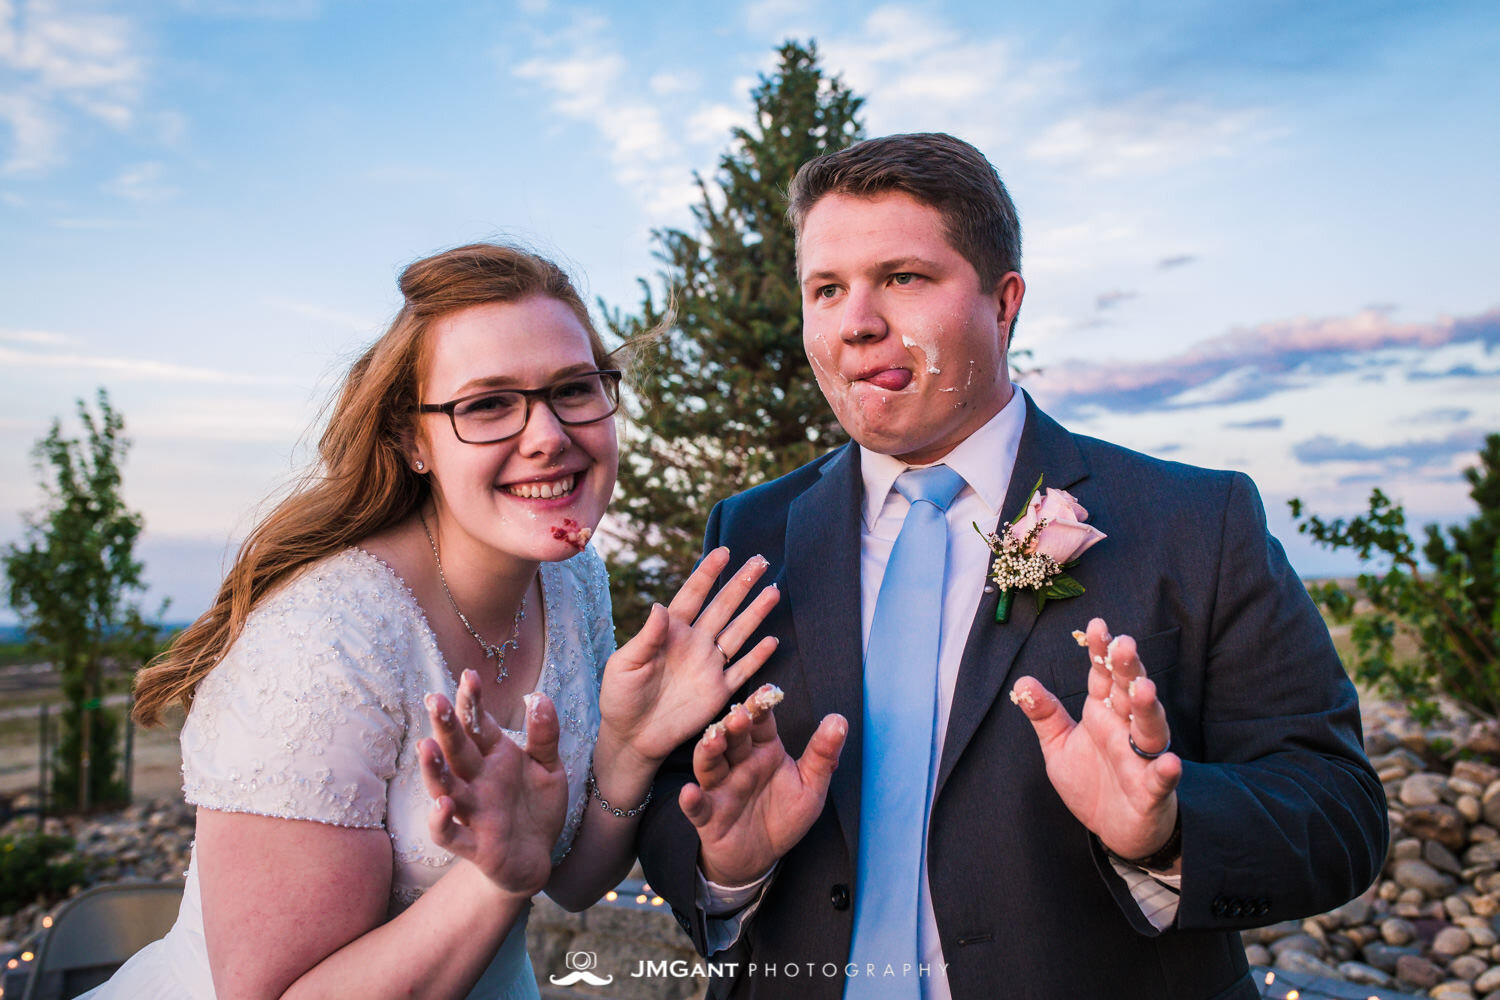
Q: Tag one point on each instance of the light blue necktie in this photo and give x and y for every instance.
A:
(901, 666)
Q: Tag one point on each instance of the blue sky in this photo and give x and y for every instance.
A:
(1259, 235)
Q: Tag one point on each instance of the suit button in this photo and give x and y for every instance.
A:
(1220, 906)
(839, 896)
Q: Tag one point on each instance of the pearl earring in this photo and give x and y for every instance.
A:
(421, 465)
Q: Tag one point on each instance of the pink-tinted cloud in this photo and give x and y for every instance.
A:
(1269, 352)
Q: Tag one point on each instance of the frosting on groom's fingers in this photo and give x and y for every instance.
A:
(1050, 720)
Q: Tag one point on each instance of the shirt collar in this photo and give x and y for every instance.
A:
(985, 459)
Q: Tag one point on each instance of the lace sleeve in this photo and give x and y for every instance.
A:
(302, 718)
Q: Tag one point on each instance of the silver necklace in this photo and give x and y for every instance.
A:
(491, 651)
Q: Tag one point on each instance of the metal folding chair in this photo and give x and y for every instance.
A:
(93, 934)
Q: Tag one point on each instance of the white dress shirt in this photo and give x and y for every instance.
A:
(985, 460)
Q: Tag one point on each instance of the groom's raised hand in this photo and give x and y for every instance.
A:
(753, 802)
(1126, 796)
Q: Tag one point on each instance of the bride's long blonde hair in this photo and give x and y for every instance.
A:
(362, 482)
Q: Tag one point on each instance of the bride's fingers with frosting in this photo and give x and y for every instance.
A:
(447, 832)
(479, 724)
(542, 730)
(459, 751)
(716, 617)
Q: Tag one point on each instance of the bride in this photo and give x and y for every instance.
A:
(406, 712)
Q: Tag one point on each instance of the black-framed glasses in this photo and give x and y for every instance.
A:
(497, 414)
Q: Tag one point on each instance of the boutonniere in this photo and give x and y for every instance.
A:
(1038, 546)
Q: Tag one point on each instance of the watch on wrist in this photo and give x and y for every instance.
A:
(1163, 857)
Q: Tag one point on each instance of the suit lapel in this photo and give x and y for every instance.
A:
(989, 654)
(823, 584)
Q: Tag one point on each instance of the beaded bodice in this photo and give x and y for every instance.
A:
(316, 710)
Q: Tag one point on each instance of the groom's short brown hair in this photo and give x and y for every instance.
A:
(936, 169)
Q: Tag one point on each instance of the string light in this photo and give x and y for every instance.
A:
(641, 899)
(27, 956)
(47, 920)
(611, 896)
(1270, 978)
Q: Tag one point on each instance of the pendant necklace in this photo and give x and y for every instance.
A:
(491, 651)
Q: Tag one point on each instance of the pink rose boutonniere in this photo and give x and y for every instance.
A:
(1043, 541)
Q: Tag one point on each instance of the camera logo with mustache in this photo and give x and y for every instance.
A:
(581, 962)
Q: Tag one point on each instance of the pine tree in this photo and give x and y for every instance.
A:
(1476, 543)
(724, 398)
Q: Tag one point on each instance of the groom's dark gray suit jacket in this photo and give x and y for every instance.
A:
(1282, 815)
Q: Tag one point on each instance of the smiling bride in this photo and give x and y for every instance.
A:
(406, 713)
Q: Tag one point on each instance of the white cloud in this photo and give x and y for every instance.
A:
(1152, 132)
(590, 81)
(331, 317)
(56, 62)
(43, 338)
(131, 368)
(142, 183)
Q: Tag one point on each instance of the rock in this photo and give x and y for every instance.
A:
(1257, 954)
(1418, 972)
(1484, 937)
(1385, 956)
(1456, 907)
(1484, 853)
(1490, 803)
(1277, 931)
(1422, 789)
(1488, 981)
(1441, 858)
(1388, 891)
(1442, 823)
(1470, 807)
(1364, 975)
(1397, 931)
(1458, 786)
(1406, 849)
(1451, 942)
(1475, 771)
(1483, 831)
(1467, 967)
(1400, 759)
(1304, 943)
(1484, 906)
(1482, 739)
(1453, 990)
(1421, 876)
(1301, 963)
(1352, 913)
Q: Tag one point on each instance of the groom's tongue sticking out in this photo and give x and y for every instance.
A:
(907, 346)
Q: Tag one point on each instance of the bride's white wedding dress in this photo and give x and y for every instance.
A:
(315, 714)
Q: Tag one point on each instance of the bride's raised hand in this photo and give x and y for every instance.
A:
(675, 677)
(496, 805)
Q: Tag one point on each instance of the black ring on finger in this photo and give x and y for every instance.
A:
(1147, 754)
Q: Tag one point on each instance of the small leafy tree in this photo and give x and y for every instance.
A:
(71, 581)
(1448, 607)
(725, 398)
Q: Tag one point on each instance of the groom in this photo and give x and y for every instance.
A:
(1106, 828)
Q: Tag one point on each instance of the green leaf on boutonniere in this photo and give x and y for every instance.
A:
(1062, 586)
(1026, 504)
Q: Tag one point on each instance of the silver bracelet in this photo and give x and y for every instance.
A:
(604, 803)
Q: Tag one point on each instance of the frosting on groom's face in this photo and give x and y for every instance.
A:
(907, 348)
